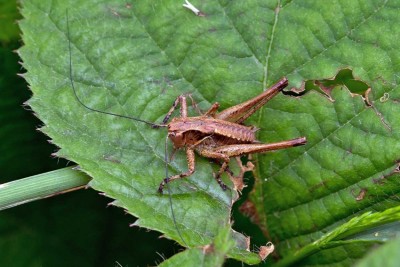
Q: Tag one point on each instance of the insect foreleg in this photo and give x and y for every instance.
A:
(179, 100)
(201, 141)
(209, 113)
(191, 167)
(194, 105)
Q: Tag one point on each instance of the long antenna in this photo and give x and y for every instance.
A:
(169, 194)
(154, 125)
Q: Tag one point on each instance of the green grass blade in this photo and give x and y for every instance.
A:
(41, 186)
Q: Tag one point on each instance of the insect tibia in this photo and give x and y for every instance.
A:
(301, 141)
(242, 111)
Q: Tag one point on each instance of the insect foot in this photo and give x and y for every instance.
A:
(220, 182)
(162, 184)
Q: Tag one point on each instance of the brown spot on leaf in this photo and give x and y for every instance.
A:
(384, 98)
(114, 12)
(361, 195)
(382, 178)
(316, 186)
(111, 158)
(208, 249)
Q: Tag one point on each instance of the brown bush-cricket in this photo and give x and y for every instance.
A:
(218, 136)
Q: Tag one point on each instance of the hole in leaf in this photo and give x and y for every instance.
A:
(344, 77)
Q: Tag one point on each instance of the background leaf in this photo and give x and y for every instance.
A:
(350, 164)
(386, 255)
(134, 59)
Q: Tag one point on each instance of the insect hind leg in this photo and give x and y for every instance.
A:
(237, 180)
(209, 153)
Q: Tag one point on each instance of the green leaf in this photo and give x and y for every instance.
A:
(212, 255)
(350, 164)
(135, 59)
(386, 255)
(354, 232)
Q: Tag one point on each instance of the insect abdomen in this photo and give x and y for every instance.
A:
(238, 132)
(210, 126)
